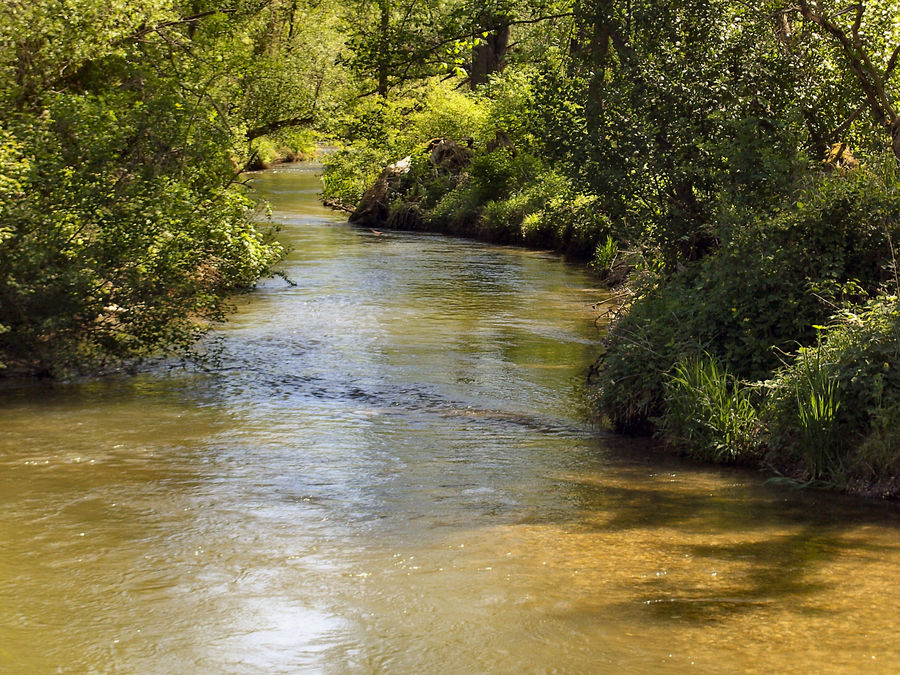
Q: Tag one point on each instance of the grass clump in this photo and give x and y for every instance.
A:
(831, 412)
(708, 413)
(818, 402)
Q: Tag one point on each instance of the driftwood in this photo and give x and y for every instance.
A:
(375, 204)
(375, 207)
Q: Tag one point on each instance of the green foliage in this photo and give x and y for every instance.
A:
(818, 402)
(506, 193)
(123, 226)
(392, 45)
(605, 254)
(758, 296)
(878, 455)
(443, 111)
(708, 413)
(497, 175)
(379, 131)
(457, 210)
(688, 109)
(830, 409)
(284, 146)
(102, 262)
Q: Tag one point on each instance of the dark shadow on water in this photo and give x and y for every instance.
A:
(769, 543)
(776, 570)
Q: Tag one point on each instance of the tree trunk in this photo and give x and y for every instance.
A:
(291, 16)
(595, 30)
(488, 57)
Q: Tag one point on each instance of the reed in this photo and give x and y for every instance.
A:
(818, 401)
(708, 413)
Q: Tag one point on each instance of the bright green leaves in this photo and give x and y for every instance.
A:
(122, 229)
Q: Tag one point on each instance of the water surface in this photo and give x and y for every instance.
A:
(388, 470)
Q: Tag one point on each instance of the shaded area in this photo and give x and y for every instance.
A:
(762, 546)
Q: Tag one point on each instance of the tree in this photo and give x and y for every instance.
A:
(867, 54)
(123, 225)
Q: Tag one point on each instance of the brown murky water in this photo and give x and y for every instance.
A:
(388, 472)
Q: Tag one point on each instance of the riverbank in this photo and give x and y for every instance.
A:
(440, 188)
(705, 356)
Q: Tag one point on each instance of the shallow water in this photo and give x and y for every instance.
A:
(388, 470)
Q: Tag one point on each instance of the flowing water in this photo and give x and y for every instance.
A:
(388, 471)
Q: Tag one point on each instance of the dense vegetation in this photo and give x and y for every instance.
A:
(735, 163)
(730, 167)
(124, 128)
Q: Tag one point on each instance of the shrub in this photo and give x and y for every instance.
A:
(457, 209)
(443, 111)
(879, 454)
(759, 296)
(831, 410)
(351, 170)
(380, 131)
(109, 253)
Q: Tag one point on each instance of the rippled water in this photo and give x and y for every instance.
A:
(388, 471)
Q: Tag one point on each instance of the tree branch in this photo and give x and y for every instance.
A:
(277, 125)
(857, 22)
(892, 62)
(504, 24)
(870, 82)
(177, 22)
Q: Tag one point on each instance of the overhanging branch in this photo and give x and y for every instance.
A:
(278, 125)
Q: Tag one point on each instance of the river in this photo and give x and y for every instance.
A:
(388, 469)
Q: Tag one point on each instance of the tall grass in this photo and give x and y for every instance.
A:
(818, 401)
(605, 255)
(708, 412)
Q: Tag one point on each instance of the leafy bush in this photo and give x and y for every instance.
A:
(379, 131)
(351, 170)
(878, 456)
(443, 111)
(830, 411)
(123, 129)
(506, 193)
(499, 174)
(457, 209)
(759, 296)
(116, 248)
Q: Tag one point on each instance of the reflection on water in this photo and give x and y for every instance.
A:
(388, 471)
